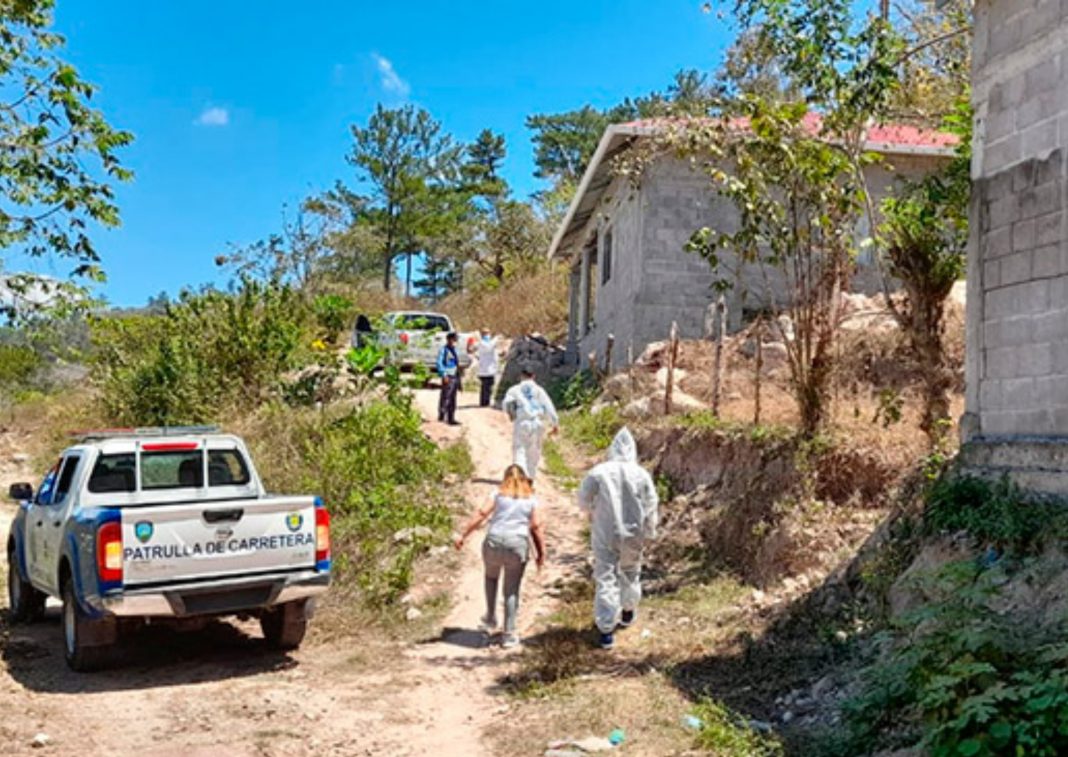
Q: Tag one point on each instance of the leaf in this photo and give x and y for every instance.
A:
(969, 747)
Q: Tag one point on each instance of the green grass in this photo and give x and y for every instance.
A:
(592, 430)
(725, 733)
(557, 466)
(707, 421)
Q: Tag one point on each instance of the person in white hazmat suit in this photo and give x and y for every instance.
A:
(532, 413)
(620, 497)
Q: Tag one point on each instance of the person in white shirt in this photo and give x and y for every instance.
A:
(485, 353)
(532, 412)
(513, 524)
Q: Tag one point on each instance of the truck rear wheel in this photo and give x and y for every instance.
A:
(79, 630)
(284, 625)
(25, 603)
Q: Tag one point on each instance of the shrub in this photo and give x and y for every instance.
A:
(996, 514)
(333, 315)
(963, 679)
(205, 352)
(21, 367)
(380, 477)
(577, 391)
(593, 429)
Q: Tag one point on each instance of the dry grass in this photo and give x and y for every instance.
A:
(647, 708)
(532, 304)
(565, 688)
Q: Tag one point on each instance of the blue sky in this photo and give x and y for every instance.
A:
(240, 108)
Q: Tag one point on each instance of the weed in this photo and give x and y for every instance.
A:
(578, 391)
(963, 679)
(724, 733)
(593, 430)
(995, 514)
(557, 466)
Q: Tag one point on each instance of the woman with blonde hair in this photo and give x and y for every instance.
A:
(513, 524)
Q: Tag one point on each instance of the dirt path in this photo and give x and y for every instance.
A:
(193, 693)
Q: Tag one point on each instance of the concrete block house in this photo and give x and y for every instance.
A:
(1016, 418)
(630, 274)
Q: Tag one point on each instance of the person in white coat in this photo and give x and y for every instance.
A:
(532, 413)
(621, 500)
(485, 353)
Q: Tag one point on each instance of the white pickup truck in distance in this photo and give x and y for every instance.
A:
(413, 338)
(150, 525)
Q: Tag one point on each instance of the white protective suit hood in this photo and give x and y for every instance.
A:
(623, 449)
(620, 494)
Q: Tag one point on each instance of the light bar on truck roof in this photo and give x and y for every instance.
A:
(131, 433)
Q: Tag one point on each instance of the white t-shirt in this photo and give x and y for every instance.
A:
(487, 357)
(511, 516)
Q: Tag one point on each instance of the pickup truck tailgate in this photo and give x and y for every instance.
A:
(195, 540)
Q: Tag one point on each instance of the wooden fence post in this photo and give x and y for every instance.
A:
(630, 368)
(609, 344)
(717, 365)
(759, 369)
(673, 355)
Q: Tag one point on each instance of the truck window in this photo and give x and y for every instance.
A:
(422, 323)
(226, 467)
(66, 476)
(47, 487)
(113, 473)
(172, 470)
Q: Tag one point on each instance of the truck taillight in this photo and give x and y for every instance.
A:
(109, 552)
(322, 535)
(404, 337)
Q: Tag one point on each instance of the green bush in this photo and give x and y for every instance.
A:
(593, 429)
(205, 353)
(333, 315)
(577, 391)
(378, 474)
(21, 368)
(996, 514)
(963, 679)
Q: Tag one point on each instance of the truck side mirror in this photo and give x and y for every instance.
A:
(363, 325)
(21, 492)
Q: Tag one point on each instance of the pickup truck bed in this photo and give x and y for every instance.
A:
(147, 524)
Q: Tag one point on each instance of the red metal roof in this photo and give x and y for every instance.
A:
(893, 135)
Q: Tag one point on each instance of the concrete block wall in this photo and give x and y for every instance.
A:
(1017, 365)
(614, 311)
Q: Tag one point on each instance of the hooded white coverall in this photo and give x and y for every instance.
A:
(532, 411)
(621, 498)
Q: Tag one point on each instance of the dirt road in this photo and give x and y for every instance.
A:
(199, 692)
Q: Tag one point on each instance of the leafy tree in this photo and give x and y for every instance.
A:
(485, 156)
(905, 61)
(293, 257)
(59, 153)
(351, 238)
(925, 238)
(797, 201)
(565, 142)
(412, 171)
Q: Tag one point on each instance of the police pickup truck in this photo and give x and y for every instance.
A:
(146, 525)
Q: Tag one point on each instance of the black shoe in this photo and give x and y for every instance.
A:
(627, 617)
(606, 641)
(453, 423)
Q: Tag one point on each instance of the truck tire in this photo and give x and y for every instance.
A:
(284, 625)
(25, 603)
(78, 628)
